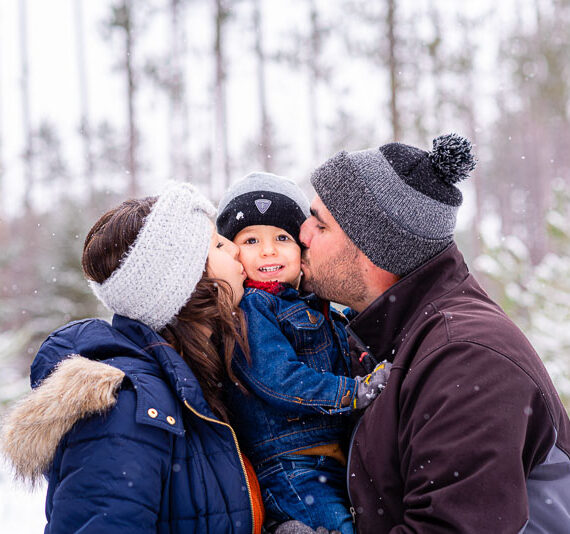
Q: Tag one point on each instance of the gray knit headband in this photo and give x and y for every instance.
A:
(160, 272)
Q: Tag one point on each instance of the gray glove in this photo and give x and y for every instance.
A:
(296, 527)
(370, 386)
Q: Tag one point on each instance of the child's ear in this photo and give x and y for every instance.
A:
(297, 282)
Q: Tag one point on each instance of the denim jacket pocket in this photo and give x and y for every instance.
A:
(310, 337)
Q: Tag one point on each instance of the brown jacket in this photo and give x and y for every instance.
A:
(469, 435)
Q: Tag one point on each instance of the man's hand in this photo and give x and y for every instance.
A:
(371, 385)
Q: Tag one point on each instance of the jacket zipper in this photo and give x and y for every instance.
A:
(362, 346)
(239, 456)
(352, 510)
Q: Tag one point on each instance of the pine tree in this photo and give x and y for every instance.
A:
(536, 297)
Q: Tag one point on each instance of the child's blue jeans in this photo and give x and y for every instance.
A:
(311, 489)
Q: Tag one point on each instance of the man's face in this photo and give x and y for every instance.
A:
(331, 263)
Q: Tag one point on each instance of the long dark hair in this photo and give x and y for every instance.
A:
(204, 332)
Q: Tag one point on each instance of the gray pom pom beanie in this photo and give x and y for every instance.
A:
(397, 203)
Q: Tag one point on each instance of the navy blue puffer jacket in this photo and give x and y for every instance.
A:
(125, 437)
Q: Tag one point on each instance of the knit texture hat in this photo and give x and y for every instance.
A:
(397, 203)
(161, 269)
(262, 198)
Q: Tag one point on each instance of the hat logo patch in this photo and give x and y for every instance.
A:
(262, 204)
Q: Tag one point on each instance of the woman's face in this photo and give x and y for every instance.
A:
(223, 264)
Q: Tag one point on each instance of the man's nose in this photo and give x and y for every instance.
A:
(305, 234)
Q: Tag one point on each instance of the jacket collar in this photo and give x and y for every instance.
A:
(288, 292)
(129, 345)
(173, 367)
(381, 327)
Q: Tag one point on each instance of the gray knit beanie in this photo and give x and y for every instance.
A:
(262, 198)
(397, 203)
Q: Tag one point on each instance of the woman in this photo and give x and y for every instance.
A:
(126, 419)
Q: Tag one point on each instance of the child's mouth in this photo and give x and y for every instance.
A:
(270, 268)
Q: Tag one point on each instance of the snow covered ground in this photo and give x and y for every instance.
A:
(21, 509)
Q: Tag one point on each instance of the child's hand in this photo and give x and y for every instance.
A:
(371, 385)
(296, 527)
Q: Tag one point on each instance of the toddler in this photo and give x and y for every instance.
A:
(292, 421)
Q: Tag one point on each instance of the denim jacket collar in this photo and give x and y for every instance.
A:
(288, 292)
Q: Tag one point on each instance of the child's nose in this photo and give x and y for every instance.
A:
(268, 249)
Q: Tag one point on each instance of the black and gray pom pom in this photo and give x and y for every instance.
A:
(452, 157)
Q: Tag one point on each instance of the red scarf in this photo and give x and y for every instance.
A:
(274, 287)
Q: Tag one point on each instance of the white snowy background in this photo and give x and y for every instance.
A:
(290, 84)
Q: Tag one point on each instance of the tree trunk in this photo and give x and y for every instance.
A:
(179, 125)
(85, 125)
(220, 155)
(536, 183)
(265, 138)
(1, 141)
(537, 177)
(437, 63)
(132, 167)
(314, 75)
(28, 153)
(393, 69)
(468, 103)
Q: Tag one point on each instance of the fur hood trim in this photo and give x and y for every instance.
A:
(33, 428)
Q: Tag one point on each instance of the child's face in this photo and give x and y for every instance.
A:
(269, 253)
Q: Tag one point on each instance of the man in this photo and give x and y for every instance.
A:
(469, 435)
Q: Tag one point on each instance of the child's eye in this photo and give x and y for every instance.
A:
(283, 237)
(250, 241)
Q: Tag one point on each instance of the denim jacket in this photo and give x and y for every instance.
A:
(300, 389)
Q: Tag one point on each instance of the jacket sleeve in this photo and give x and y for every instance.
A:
(278, 376)
(472, 426)
(111, 474)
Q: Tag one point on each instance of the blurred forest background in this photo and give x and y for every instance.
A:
(104, 100)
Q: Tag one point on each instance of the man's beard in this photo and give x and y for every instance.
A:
(338, 279)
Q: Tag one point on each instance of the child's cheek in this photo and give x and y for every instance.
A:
(243, 259)
(250, 274)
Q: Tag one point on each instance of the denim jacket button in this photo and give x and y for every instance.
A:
(312, 318)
